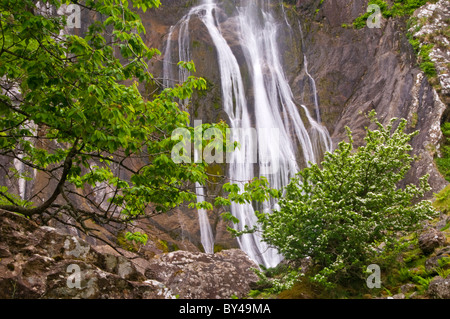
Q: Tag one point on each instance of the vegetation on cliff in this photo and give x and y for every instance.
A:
(399, 8)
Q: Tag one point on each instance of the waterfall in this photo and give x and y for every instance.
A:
(206, 234)
(267, 122)
(20, 167)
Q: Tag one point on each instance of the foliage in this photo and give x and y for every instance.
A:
(137, 237)
(423, 283)
(338, 213)
(14, 197)
(423, 54)
(72, 113)
(275, 280)
(442, 200)
(399, 8)
(256, 190)
(360, 22)
(443, 162)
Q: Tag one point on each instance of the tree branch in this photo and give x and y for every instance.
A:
(40, 209)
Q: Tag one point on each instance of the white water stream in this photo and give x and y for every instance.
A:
(285, 141)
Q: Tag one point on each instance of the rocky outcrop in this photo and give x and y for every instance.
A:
(44, 262)
(431, 21)
(437, 260)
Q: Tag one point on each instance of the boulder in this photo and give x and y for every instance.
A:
(198, 275)
(439, 288)
(431, 239)
(408, 288)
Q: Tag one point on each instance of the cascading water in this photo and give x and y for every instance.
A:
(282, 139)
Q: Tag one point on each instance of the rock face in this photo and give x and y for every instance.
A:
(355, 71)
(433, 20)
(43, 262)
(360, 70)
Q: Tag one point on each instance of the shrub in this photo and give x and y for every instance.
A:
(339, 213)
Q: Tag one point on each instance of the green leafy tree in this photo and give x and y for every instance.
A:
(72, 116)
(339, 212)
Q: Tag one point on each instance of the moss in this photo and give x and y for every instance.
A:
(216, 173)
(414, 120)
(218, 248)
(442, 200)
(126, 244)
(400, 8)
(195, 44)
(301, 290)
(443, 164)
(162, 245)
(413, 257)
(190, 3)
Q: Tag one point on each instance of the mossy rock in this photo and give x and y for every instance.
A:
(166, 246)
(125, 243)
